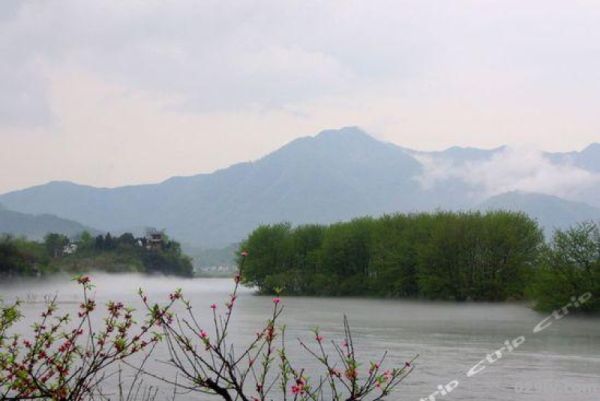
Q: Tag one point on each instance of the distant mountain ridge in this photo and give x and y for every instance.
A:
(553, 212)
(35, 227)
(588, 158)
(335, 175)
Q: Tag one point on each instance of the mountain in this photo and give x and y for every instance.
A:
(35, 227)
(335, 175)
(460, 155)
(587, 159)
(552, 212)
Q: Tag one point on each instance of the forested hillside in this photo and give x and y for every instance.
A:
(20, 257)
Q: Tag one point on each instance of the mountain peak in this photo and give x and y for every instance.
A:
(348, 132)
(592, 147)
(346, 136)
(331, 144)
(462, 154)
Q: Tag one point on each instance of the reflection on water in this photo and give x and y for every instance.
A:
(560, 363)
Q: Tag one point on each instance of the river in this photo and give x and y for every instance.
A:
(560, 362)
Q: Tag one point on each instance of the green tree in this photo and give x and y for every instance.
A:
(394, 256)
(346, 256)
(86, 241)
(126, 240)
(271, 256)
(55, 244)
(444, 255)
(570, 267)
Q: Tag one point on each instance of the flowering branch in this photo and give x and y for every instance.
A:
(212, 366)
(67, 359)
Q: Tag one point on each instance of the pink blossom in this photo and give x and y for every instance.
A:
(298, 388)
(213, 306)
(244, 253)
(276, 300)
(203, 334)
(319, 338)
(351, 374)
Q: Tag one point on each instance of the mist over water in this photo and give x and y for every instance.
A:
(112, 286)
(561, 362)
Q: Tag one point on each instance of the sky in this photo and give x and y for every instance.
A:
(109, 93)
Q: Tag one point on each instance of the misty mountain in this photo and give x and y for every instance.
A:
(35, 227)
(587, 159)
(335, 175)
(461, 155)
(552, 212)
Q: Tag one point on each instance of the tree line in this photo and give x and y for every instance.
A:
(59, 253)
(492, 256)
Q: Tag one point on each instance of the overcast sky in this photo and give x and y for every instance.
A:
(109, 93)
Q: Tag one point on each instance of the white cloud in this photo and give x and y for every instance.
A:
(510, 169)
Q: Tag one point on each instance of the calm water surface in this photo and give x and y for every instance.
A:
(560, 363)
